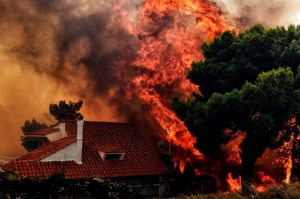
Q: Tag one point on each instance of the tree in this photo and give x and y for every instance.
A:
(29, 127)
(248, 83)
(62, 110)
(189, 172)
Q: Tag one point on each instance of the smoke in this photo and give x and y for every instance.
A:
(246, 13)
(53, 50)
(48, 50)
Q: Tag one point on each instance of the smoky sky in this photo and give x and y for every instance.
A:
(246, 13)
(78, 47)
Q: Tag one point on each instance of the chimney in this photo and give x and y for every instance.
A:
(79, 140)
(62, 128)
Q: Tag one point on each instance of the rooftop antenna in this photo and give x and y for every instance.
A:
(161, 145)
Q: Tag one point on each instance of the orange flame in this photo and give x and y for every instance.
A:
(265, 179)
(288, 169)
(288, 161)
(170, 42)
(234, 184)
(170, 33)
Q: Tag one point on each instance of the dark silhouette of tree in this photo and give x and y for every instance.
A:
(62, 110)
(29, 127)
(59, 111)
(248, 83)
(189, 172)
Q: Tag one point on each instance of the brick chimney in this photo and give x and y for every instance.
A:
(79, 140)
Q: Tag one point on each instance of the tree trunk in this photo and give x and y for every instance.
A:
(250, 153)
(295, 172)
(246, 171)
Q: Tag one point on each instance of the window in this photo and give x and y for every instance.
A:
(111, 156)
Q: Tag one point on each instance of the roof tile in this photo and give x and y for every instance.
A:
(43, 131)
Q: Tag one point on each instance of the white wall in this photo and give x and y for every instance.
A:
(64, 154)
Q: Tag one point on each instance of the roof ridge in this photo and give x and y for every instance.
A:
(42, 151)
(92, 121)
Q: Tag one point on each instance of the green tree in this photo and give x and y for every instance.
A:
(29, 127)
(32, 126)
(62, 110)
(243, 88)
(59, 111)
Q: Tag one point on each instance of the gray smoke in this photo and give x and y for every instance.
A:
(246, 13)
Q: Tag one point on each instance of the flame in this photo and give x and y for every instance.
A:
(265, 179)
(170, 33)
(234, 184)
(287, 161)
(169, 45)
(261, 188)
(288, 169)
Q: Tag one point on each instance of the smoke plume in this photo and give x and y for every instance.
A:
(246, 13)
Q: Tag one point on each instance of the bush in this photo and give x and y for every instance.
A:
(57, 186)
(291, 191)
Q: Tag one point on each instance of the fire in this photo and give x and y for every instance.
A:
(265, 179)
(207, 15)
(234, 184)
(261, 188)
(170, 33)
(288, 166)
(101, 51)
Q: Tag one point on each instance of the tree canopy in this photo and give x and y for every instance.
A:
(62, 110)
(59, 111)
(32, 126)
(250, 83)
(28, 127)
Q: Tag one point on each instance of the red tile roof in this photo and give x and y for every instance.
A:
(47, 149)
(10, 167)
(140, 157)
(43, 131)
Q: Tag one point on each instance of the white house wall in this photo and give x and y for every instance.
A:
(64, 154)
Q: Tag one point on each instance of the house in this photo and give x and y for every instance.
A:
(43, 136)
(83, 149)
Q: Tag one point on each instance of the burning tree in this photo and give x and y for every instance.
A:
(249, 83)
